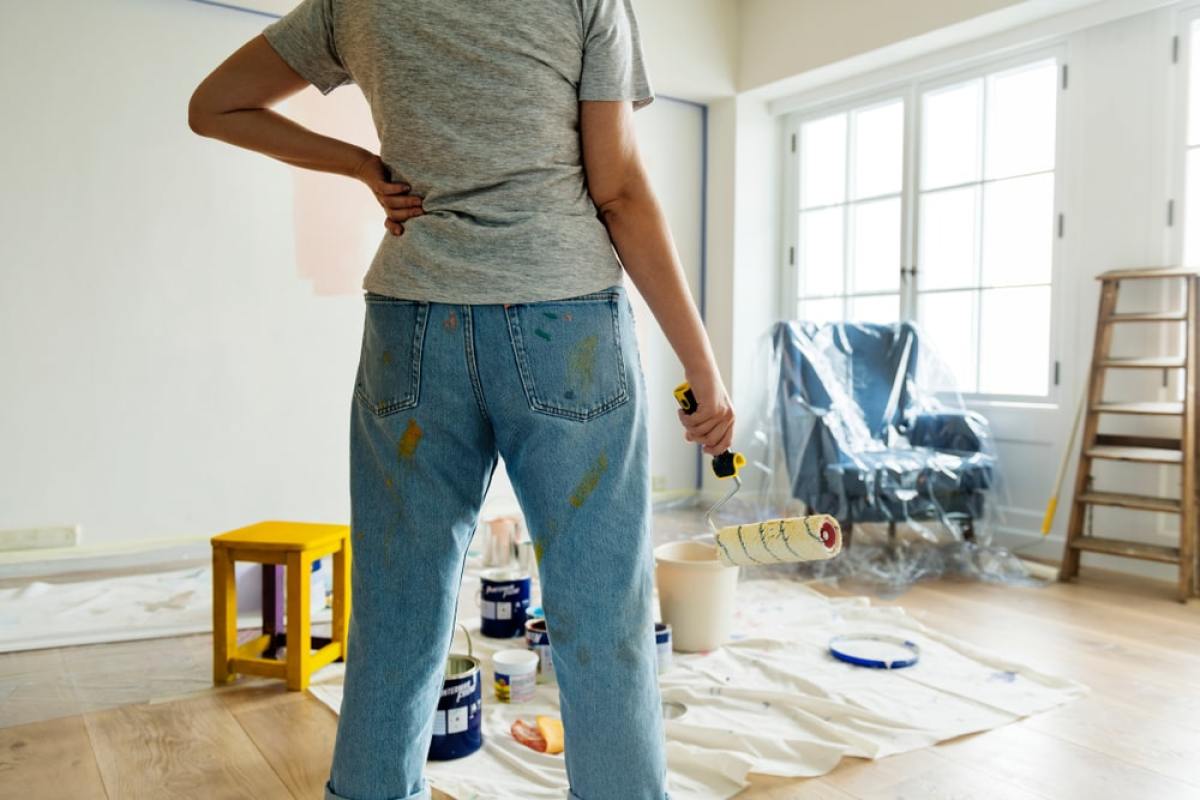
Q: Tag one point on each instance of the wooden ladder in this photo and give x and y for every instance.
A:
(1139, 449)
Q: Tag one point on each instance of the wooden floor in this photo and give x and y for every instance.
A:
(1137, 735)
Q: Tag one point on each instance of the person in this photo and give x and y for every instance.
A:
(496, 324)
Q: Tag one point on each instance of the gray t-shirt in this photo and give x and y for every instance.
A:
(477, 107)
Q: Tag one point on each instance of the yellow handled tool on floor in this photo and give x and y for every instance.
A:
(775, 541)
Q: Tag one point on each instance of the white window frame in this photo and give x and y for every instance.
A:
(910, 89)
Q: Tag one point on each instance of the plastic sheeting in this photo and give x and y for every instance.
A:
(864, 422)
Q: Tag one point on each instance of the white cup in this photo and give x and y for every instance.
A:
(515, 675)
(696, 594)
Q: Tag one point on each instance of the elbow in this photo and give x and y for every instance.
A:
(625, 202)
(199, 117)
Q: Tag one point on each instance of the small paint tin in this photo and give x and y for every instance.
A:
(457, 723)
(537, 639)
(662, 644)
(503, 598)
(515, 675)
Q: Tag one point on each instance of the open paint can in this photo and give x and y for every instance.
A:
(503, 598)
(457, 723)
(537, 639)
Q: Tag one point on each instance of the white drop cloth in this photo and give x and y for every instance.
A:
(146, 605)
(773, 701)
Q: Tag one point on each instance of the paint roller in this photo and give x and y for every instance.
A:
(776, 541)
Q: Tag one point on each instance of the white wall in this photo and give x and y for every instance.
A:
(178, 333)
(782, 38)
(166, 371)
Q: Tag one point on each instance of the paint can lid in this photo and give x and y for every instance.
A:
(515, 662)
(504, 575)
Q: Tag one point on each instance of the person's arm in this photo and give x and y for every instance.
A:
(620, 188)
(233, 105)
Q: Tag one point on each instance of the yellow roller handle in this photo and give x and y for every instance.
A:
(724, 465)
(1048, 520)
(1052, 506)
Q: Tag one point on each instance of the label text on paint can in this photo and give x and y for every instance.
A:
(457, 721)
(515, 688)
(503, 599)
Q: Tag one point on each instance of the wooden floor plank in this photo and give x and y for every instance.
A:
(1150, 648)
(1134, 736)
(51, 760)
(1059, 769)
(922, 774)
(34, 686)
(181, 750)
(295, 735)
(767, 787)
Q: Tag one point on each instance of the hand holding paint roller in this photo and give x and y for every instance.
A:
(776, 541)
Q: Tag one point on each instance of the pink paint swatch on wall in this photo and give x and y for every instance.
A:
(338, 222)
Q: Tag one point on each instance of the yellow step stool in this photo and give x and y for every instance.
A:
(294, 545)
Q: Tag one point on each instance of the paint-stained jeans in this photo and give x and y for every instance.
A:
(556, 388)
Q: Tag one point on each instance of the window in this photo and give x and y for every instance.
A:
(851, 178)
(985, 220)
(979, 198)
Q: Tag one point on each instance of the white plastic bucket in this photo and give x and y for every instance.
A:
(696, 594)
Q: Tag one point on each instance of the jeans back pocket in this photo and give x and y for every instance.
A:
(569, 354)
(389, 367)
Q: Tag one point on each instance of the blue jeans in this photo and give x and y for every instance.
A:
(556, 388)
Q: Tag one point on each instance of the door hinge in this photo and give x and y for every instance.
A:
(793, 142)
(1056, 372)
(792, 256)
(1175, 49)
(1171, 213)
(1062, 225)
(1064, 76)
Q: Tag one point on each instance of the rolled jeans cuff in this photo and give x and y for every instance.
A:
(420, 794)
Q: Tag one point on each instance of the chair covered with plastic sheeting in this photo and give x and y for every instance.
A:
(864, 438)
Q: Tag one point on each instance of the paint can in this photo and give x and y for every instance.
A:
(457, 723)
(662, 644)
(515, 675)
(537, 639)
(503, 598)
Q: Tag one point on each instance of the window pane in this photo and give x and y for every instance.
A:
(875, 308)
(879, 150)
(823, 161)
(948, 322)
(876, 245)
(1191, 222)
(829, 310)
(1014, 351)
(821, 262)
(1021, 120)
(1194, 87)
(1018, 226)
(950, 135)
(947, 241)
